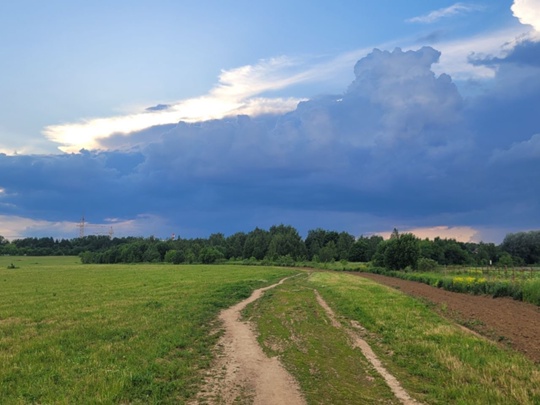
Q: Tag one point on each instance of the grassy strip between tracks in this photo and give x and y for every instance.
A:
(76, 334)
(435, 361)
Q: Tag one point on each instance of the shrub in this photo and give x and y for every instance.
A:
(175, 256)
(531, 292)
(425, 264)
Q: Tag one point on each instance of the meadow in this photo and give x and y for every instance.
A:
(435, 360)
(146, 333)
(73, 333)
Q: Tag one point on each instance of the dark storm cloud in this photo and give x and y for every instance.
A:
(399, 145)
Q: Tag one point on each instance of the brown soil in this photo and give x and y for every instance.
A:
(512, 323)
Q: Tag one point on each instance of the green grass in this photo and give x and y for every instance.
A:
(72, 333)
(436, 362)
(294, 326)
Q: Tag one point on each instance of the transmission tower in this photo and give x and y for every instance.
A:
(81, 226)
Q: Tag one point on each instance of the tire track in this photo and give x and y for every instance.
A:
(368, 353)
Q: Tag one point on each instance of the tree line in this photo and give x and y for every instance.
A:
(282, 244)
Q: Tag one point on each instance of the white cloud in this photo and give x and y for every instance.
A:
(17, 227)
(436, 15)
(455, 54)
(234, 94)
(242, 90)
(528, 12)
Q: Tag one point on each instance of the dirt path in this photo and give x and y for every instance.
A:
(368, 353)
(244, 374)
(502, 320)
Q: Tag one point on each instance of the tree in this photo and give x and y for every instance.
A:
(210, 255)
(524, 245)
(314, 242)
(344, 244)
(285, 240)
(454, 254)
(175, 256)
(235, 245)
(328, 253)
(256, 245)
(151, 254)
(401, 251)
(505, 260)
(359, 251)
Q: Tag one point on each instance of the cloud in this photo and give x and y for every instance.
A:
(436, 15)
(528, 12)
(234, 94)
(459, 233)
(528, 150)
(400, 145)
(525, 52)
(248, 89)
(159, 107)
(16, 227)
(457, 56)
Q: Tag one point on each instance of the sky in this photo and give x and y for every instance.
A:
(197, 117)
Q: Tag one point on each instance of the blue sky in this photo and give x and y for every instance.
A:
(194, 117)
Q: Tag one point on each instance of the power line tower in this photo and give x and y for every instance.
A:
(81, 227)
(111, 232)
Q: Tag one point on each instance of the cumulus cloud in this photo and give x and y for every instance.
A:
(519, 151)
(528, 12)
(436, 15)
(398, 145)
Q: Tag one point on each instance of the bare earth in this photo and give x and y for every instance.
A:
(514, 323)
(244, 374)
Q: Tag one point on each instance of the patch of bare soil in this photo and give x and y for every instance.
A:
(243, 374)
(368, 353)
(514, 323)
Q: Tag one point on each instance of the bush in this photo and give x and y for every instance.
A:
(425, 264)
(531, 292)
(175, 256)
(210, 255)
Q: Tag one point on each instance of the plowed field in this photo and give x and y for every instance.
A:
(512, 323)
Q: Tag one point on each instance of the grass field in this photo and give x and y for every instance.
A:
(73, 333)
(436, 361)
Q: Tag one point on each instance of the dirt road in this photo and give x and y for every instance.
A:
(512, 323)
(244, 374)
